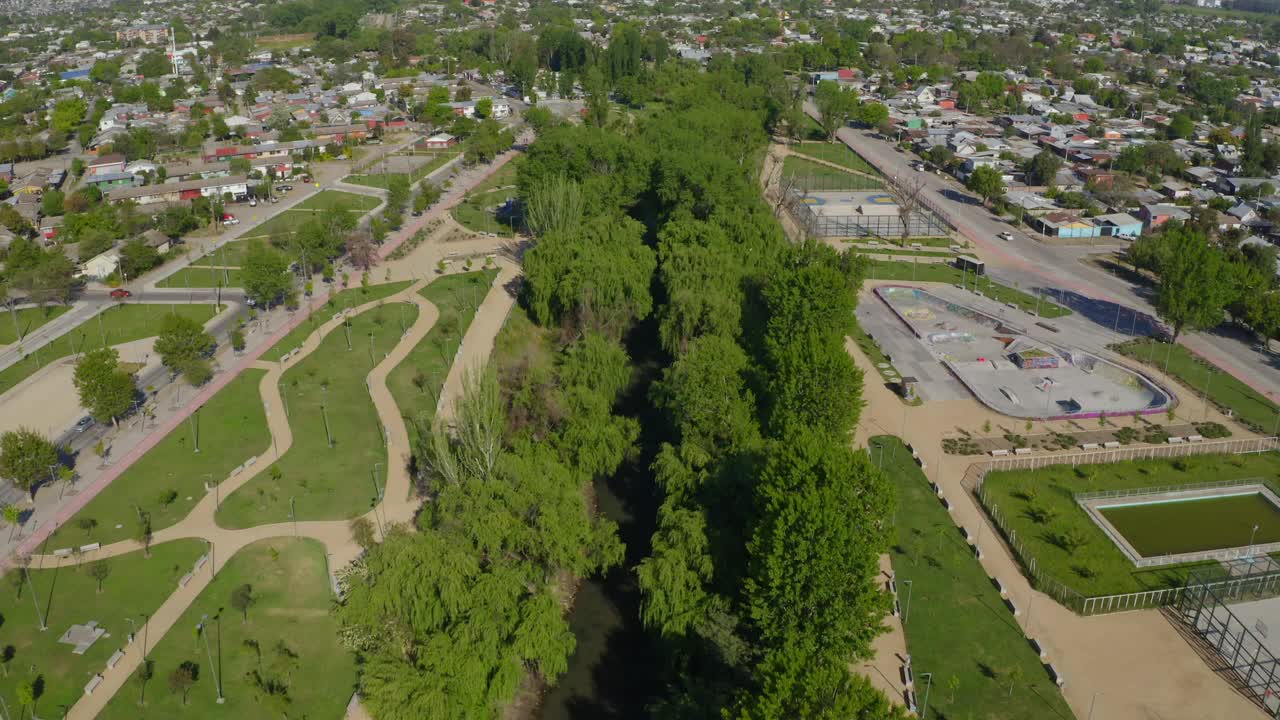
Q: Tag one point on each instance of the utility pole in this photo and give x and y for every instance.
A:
(195, 428)
(327, 434)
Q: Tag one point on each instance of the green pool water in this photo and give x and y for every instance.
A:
(1184, 526)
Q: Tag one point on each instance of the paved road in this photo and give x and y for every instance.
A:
(1096, 296)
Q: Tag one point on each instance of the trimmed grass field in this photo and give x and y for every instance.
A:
(416, 382)
(380, 181)
(1246, 404)
(838, 153)
(825, 175)
(229, 255)
(902, 251)
(325, 395)
(291, 598)
(957, 626)
(202, 277)
(476, 213)
(336, 199)
(1038, 506)
(135, 586)
(945, 273)
(232, 428)
(113, 326)
(22, 322)
(349, 298)
(1170, 528)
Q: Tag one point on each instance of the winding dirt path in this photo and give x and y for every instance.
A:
(397, 506)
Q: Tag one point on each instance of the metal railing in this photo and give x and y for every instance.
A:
(1164, 489)
(1062, 593)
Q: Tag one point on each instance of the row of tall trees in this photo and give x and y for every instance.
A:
(759, 587)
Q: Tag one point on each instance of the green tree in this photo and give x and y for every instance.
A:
(26, 457)
(1042, 168)
(99, 570)
(1193, 288)
(987, 183)
(811, 571)
(873, 113)
(137, 257)
(184, 347)
(242, 598)
(104, 387)
(836, 106)
(265, 274)
(183, 677)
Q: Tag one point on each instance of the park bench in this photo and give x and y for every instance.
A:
(93, 684)
(1195, 438)
(200, 561)
(1058, 679)
(911, 701)
(1022, 451)
(1012, 606)
(907, 678)
(1000, 586)
(114, 659)
(90, 547)
(1090, 446)
(1035, 645)
(62, 552)
(999, 453)
(182, 581)
(1176, 440)
(1111, 444)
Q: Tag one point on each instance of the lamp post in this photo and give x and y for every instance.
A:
(1093, 702)
(906, 611)
(209, 651)
(924, 709)
(373, 475)
(35, 600)
(293, 516)
(1252, 535)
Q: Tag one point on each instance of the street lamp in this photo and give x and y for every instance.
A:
(924, 709)
(209, 651)
(293, 516)
(1252, 535)
(906, 611)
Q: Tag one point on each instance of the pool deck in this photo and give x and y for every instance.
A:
(1094, 507)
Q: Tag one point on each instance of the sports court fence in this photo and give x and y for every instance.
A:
(922, 222)
(1043, 581)
(1203, 607)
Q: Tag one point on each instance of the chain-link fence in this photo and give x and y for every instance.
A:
(920, 222)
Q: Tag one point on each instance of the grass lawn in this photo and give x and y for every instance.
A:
(349, 298)
(22, 322)
(1206, 524)
(285, 223)
(232, 428)
(378, 180)
(504, 176)
(476, 213)
(943, 272)
(825, 175)
(327, 390)
(1225, 391)
(838, 153)
(903, 251)
(1038, 506)
(113, 326)
(331, 199)
(811, 130)
(957, 626)
(136, 586)
(291, 606)
(202, 277)
(230, 255)
(456, 296)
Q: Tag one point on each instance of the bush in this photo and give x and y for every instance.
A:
(1212, 430)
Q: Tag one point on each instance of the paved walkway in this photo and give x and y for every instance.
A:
(1135, 662)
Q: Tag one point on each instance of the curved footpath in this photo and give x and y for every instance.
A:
(397, 506)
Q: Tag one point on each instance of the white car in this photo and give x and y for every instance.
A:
(253, 202)
(1006, 236)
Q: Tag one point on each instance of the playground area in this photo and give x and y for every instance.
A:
(1015, 373)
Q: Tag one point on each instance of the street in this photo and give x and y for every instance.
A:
(1100, 300)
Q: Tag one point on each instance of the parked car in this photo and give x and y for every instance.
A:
(274, 199)
(283, 188)
(253, 202)
(120, 294)
(1006, 236)
(83, 423)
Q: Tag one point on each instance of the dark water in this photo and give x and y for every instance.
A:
(614, 673)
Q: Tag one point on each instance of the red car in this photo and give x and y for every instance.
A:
(120, 294)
